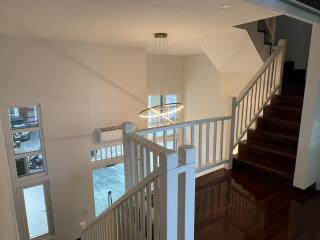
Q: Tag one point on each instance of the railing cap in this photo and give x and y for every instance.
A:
(187, 154)
(128, 127)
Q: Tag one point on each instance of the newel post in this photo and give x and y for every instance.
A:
(187, 192)
(168, 179)
(127, 127)
(282, 43)
(232, 134)
(177, 194)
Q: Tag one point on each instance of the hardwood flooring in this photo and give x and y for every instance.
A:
(240, 204)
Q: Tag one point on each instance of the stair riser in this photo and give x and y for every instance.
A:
(292, 90)
(287, 129)
(293, 80)
(285, 169)
(273, 143)
(288, 67)
(285, 101)
(291, 115)
(298, 73)
(241, 165)
(265, 156)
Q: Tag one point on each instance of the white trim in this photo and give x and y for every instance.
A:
(20, 183)
(31, 129)
(22, 209)
(107, 162)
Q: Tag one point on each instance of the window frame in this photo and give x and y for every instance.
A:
(10, 149)
(162, 98)
(23, 214)
(20, 183)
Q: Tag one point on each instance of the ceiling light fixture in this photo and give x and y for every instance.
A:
(161, 108)
(226, 6)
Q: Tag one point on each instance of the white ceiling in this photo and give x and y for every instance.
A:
(126, 22)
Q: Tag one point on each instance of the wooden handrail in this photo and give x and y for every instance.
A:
(258, 74)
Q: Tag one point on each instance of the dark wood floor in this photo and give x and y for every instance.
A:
(243, 205)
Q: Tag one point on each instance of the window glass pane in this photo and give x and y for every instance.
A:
(35, 204)
(29, 165)
(158, 99)
(24, 142)
(105, 180)
(169, 145)
(23, 117)
(172, 99)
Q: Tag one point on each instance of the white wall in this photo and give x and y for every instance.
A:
(174, 75)
(257, 39)
(308, 156)
(8, 227)
(232, 51)
(201, 88)
(298, 34)
(206, 90)
(232, 83)
(80, 87)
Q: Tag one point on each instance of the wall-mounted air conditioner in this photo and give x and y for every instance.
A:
(108, 134)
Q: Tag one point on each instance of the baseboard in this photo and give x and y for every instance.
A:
(301, 195)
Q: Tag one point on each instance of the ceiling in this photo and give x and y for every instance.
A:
(126, 22)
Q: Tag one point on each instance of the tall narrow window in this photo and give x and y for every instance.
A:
(27, 141)
(27, 161)
(36, 210)
(108, 186)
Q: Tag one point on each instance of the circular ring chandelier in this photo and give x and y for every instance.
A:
(163, 110)
(158, 81)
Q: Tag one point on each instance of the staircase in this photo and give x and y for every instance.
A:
(272, 146)
(160, 163)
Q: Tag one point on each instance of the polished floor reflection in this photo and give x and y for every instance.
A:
(244, 205)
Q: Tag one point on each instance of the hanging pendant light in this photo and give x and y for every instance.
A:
(158, 82)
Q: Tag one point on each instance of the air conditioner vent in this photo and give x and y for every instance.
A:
(21, 167)
(108, 134)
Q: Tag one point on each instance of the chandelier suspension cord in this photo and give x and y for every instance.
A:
(159, 107)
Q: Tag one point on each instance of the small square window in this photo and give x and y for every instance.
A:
(29, 165)
(25, 142)
(23, 117)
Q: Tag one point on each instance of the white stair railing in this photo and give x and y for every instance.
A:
(160, 203)
(255, 96)
(106, 151)
(215, 138)
(209, 136)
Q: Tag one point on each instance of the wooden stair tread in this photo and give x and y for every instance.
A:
(269, 150)
(282, 113)
(290, 124)
(277, 150)
(274, 141)
(259, 166)
(278, 135)
(284, 107)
